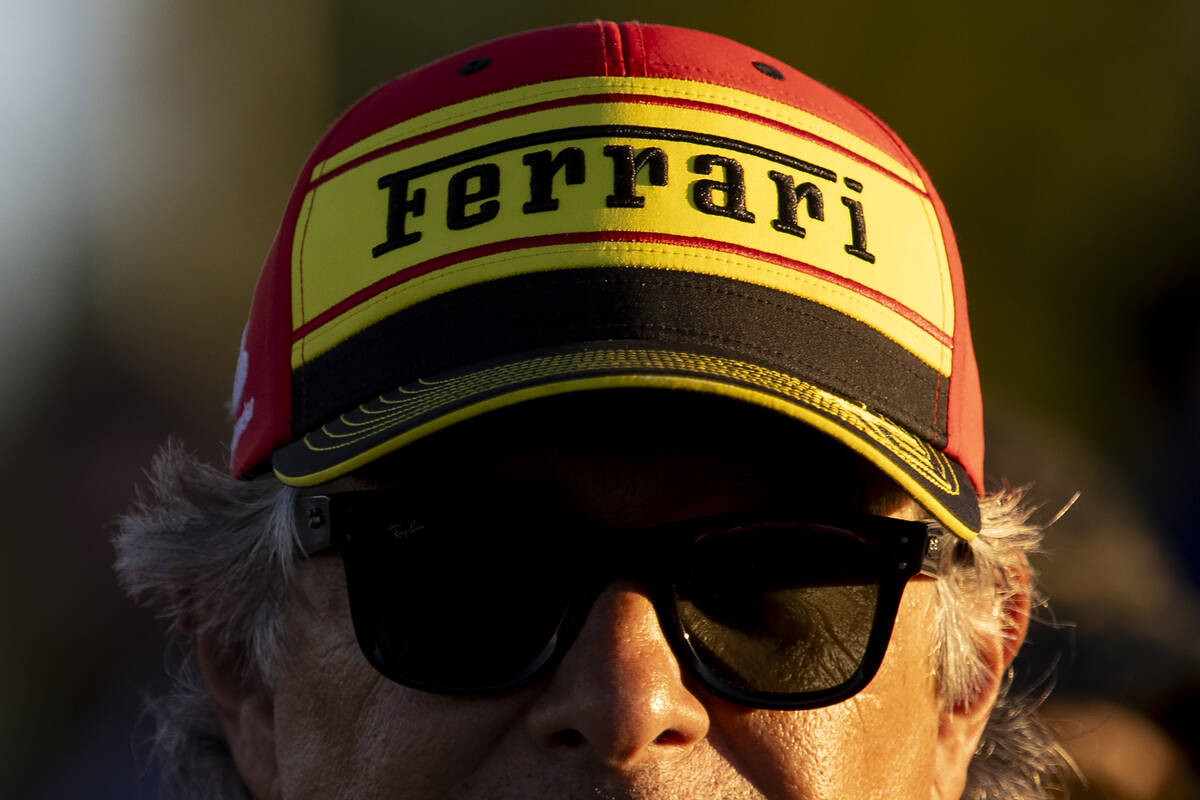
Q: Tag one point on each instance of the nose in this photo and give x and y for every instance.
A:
(619, 694)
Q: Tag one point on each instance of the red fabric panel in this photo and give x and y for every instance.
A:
(598, 48)
(268, 347)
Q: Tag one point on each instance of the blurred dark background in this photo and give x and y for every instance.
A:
(147, 151)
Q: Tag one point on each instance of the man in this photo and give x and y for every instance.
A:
(607, 425)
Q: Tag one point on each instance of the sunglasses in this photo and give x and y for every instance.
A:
(761, 607)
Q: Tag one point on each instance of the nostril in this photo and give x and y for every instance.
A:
(671, 737)
(568, 737)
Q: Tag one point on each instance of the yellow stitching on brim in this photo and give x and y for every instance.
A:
(920, 492)
(917, 454)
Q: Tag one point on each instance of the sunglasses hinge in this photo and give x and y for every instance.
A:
(313, 529)
(931, 560)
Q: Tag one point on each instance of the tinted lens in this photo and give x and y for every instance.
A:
(457, 606)
(779, 609)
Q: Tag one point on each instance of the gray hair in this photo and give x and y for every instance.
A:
(216, 555)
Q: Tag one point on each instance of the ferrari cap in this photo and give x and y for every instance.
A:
(611, 205)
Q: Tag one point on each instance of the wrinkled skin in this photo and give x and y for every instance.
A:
(617, 718)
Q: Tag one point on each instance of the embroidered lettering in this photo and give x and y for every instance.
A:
(790, 196)
(626, 167)
(487, 177)
(733, 187)
(400, 205)
(858, 231)
(543, 168)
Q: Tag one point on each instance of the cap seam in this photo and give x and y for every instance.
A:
(641, 47)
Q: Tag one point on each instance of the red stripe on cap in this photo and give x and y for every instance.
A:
(590, 237)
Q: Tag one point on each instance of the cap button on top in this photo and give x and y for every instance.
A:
(473, 66)
(768, 70)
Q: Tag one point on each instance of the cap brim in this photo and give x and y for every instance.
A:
(418, 409)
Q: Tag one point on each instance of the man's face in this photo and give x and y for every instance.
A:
(617, 717)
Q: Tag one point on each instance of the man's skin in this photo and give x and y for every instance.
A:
(617, 718)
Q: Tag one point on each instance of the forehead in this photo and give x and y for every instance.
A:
(629, 446)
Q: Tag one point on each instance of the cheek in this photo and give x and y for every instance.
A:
(343, 730)
(879, 743)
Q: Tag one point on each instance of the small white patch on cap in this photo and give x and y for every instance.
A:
(239, 375)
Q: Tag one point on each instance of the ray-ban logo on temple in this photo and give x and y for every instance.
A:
(403, 530)
(712, 183)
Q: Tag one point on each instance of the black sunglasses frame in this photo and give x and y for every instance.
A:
(346, 520)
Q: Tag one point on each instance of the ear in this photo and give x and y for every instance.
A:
(961, 726)
(246, 711)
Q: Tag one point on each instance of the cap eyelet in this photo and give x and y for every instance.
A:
(473, 66)
(768, 70)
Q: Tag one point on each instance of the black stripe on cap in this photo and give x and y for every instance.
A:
(658, 308)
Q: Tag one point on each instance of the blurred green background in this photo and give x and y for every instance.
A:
(148, 149)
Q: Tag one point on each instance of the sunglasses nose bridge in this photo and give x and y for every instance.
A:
(622, 554)
(621, 559)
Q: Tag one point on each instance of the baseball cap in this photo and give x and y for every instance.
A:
(611, 205)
